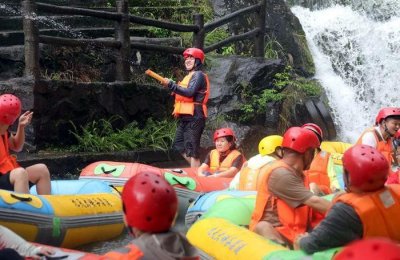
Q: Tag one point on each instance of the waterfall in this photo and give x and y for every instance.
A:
(356, 50)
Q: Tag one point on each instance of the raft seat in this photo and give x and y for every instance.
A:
(71, 187)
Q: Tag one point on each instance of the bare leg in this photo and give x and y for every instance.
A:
(265, 229)
(40, 175)
(194, 163)
(19, 178)
(186, 158)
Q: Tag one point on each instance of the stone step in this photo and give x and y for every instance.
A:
(9, 38)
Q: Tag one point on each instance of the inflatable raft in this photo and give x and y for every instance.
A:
(117, 173)
(221, 239)
(204, 202)
(185, 181)
(78, 212)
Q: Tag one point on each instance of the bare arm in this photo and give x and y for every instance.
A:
(203, 168)
(230, 173)
(16, 142)
(318, 203)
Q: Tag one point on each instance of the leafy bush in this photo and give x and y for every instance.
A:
(100, 136)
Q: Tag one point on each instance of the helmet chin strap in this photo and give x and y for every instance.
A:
(387, 130)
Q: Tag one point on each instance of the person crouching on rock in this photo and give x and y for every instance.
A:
(225, 160)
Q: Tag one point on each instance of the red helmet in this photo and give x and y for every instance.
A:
(224, 132)
(386, 112)
(300, 139)
(367, 167)
(10, 109)
(150, 202)
(195, 52)
(370, 249)
(315, 128)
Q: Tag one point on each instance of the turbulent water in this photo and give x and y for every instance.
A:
(356, 50)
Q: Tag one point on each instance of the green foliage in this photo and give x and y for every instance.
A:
(288, 77)
(100, 136)
(273, 49)
(254, 104)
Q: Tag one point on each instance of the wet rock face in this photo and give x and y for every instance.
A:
(282, 27)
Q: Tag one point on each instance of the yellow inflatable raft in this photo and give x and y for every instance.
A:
(88, 211)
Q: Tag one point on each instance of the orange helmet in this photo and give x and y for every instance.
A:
(300, 139)
(194, 52)
(315, 128)
(367, 167)
(370, 249)
(387, 112)
(150, 202)
(224, 132)
(10, 108)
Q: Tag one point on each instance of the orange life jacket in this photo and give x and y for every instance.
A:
(384, 146)
(7, 162)
(129, 252)
(378, 211)
(251, 179)
(318, 171)
(294, 221)
(185, 105)
(217, 166)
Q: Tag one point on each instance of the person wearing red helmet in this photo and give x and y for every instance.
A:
(191, 96)
(284, 204)
(150, 207)
(370, 249)
(225, 160)
(12, 175)
(367, 209)
(394, 177)
(387, 123)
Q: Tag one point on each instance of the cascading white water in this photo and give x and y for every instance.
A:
(357, 58)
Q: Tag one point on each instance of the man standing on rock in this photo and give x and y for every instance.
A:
(191, 96)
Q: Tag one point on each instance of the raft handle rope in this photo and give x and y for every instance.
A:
(109, 171)
(178, 171)
(21, 198)
(113, 187)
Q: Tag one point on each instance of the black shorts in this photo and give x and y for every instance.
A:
(5, 183)
(187, 137)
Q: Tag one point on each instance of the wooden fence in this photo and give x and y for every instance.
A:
(122, 40)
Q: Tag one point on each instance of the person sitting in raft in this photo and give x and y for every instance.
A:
(150, 207)
(387, 123)
(12, 176)
(366, 210)
(225, 160)
(317, 175)
(284, 204)
(394, 177)
(249, 176)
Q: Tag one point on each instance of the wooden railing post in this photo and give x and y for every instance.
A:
(198, 37)
(259, 40)
(122, 35)
(31, 39)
